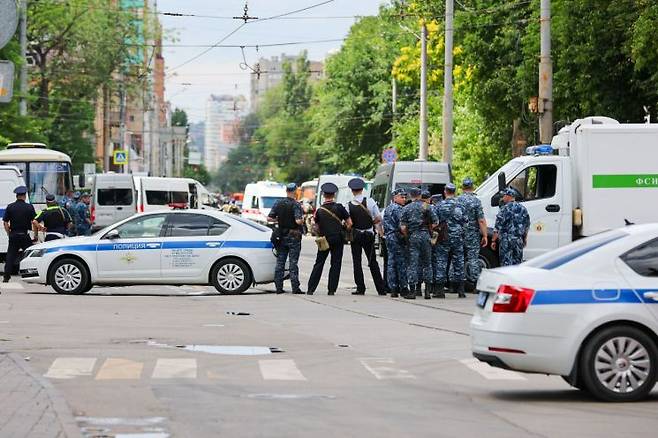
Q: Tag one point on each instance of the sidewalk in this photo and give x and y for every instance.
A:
(29, 405)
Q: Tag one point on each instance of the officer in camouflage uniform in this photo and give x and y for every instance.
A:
(511, 229)
(416, 221)
(450, 213)
(396, 264)
(475, 231)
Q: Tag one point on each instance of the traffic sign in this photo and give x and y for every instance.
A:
(120, 157)
(390, 155)
(8, 21)
(6, 81)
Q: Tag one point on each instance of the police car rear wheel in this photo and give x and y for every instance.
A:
(231, 276)
(619, 364)
(69, 276)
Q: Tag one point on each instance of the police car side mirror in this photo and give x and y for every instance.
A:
(112, 234)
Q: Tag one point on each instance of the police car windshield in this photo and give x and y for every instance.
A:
(568, 253)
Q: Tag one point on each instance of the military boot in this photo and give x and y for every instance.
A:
(428, 291)
(412, 292)
(418, 289)
(404, 292)
(438, 290)
(460, 290)
(395, 293)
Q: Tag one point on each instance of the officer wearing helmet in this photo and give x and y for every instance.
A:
(287, 214)
(17, 220)
(53, 220)
(511, 229)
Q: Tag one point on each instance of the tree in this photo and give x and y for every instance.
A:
(179, 118)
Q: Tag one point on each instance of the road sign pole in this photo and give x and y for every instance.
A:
(22, 106)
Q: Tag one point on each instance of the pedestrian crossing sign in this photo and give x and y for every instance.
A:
(120, 157)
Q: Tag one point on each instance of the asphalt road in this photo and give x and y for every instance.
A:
(151, 361)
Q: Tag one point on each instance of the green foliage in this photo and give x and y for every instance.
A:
(199, 173)
(179, 117)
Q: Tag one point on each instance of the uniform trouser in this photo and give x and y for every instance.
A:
(396, 266)
(289, 249)
(511, 251)
(472, 255)
(365, 241)
(420, 257)
(83, 231)
(336, 250)
(17, 242)
(449, 251)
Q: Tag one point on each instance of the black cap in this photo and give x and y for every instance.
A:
(414, 192)
(50, 198)
(20, 190)
(329, 188)
(356, 184)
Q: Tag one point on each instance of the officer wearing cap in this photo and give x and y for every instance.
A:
(287, 214)
(70, 206)
(416, 222)
(17, 220)
(511, 229)
(329, 221)
(450, 248)
(475, 231)
(426, 196)
(396, 259)
(53, 220)
(82, 216)
(365, 216)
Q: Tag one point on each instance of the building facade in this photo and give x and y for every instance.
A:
(223, 114)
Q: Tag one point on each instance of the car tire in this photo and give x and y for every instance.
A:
(69, 276)
(619, 364)
(230, 276)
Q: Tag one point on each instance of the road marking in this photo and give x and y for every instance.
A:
(384, 369)
(71, 367)
(207, 325)
(120, 369)
(489, 372)
(11, 285)
(175, 369)
(280, 369)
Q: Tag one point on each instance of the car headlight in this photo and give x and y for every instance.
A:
(35, 253)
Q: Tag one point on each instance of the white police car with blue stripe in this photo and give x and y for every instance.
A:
(587, 311)
(167, 247)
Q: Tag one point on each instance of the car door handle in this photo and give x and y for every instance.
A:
(552, 208)
(213, 244)
(651, 295)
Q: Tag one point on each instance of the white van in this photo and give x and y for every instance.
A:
(10, 178)
(344, 195)
(159, 193)
(428, 175)
(199, 197)
(259, 198)
(113, 199)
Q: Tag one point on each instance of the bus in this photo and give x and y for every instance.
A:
(44, 171)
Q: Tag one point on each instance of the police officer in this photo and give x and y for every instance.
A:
(511, 229)
(329, 220)
(365, 216)
(66, 199)
(396, 263)
(475, 231)
(82, 216)
(287, 213)
(70, 206)
(450, 248)
(55, 219)
(17, 220)
(416, 222)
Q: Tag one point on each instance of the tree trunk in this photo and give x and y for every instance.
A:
(519, 139)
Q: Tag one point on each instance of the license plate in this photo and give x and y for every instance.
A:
(482, 299)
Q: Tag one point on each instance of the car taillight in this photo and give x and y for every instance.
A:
(512, 299)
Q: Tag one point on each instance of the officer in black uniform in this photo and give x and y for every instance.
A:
(287, 213)
(53, 220)
(329, 220)
(18, 221)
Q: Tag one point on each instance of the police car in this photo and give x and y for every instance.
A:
(587, 311)
(167, 247)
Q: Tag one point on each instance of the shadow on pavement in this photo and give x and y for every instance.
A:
(98, 293)
(565, 395)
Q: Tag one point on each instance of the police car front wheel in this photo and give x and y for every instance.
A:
(619, 364)
(231, 276)
(69, 276)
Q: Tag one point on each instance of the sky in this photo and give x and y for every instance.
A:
(219, 71)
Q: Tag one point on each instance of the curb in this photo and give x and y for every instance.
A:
(61, 408)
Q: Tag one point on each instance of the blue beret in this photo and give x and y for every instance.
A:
(291, 187)
(329, 188)
(451, 187)
(467, 182)
(356, 184)
(414, 191)
(20, 190)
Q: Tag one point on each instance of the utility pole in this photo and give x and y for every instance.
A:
(447, 84)
(545, 76)
(422, 150)
(22, 105)
(122, 119)
(394, 105)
